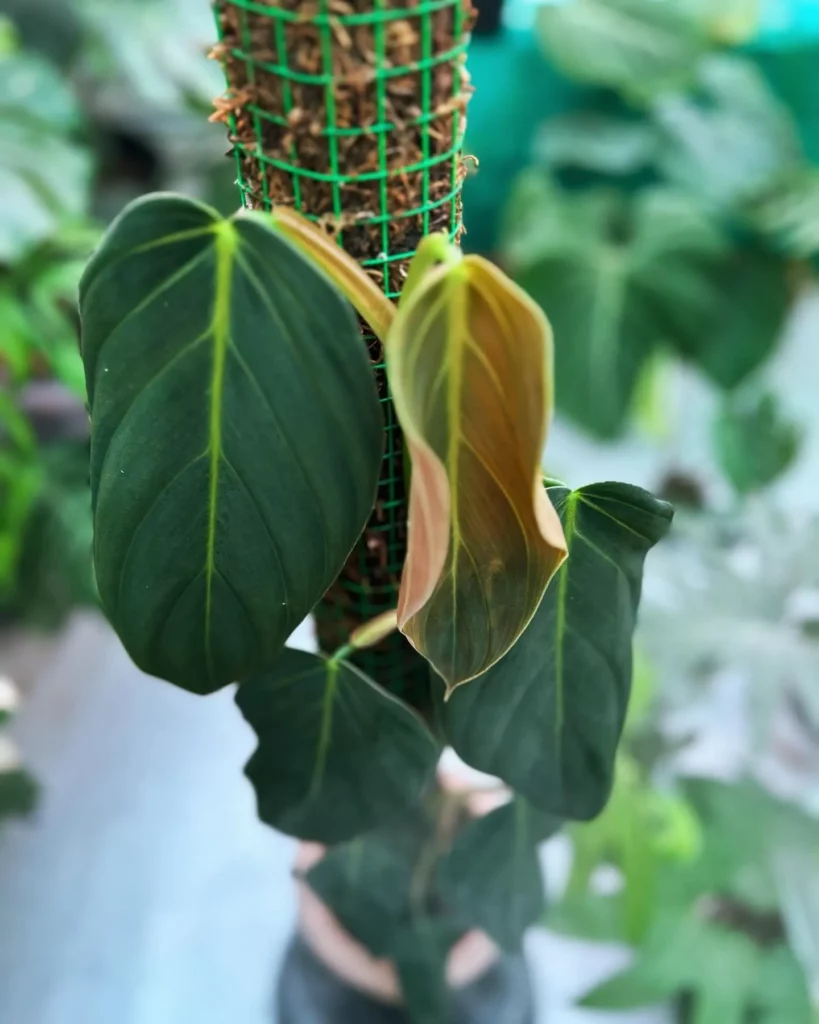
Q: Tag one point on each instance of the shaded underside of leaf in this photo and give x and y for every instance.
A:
(469, 359)
(548, 717)
(228, 483)
(337, 755)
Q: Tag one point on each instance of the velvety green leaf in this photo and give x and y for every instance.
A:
(548, 717)
(370, 885)
(493, 875)
(337, 755)
(469, 358)
(754, 443)
(734, 113)
(366, 883)
(605, 269)
(236, 437)
(420, 952)
(640, 46)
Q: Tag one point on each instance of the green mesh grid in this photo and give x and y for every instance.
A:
(262, 88)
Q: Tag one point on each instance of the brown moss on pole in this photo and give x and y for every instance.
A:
(353, 112)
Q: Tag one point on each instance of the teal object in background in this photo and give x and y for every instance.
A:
(516, 90)
(788, 23)
(787, 50)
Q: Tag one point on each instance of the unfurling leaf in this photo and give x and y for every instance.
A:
(236, 437)
(470, 364)
(548, 717)
(357, 287)
(337, 755)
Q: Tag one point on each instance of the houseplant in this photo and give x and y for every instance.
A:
(237, 460)
(626, 227)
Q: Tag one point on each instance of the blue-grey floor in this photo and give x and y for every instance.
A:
(144, 891)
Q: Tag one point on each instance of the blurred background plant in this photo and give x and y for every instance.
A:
(664, 210)
(18, 791)
(98, 104)
(656, 188)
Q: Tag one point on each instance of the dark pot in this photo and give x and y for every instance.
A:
(309, 993)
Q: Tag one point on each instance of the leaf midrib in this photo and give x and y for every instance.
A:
(225, 248)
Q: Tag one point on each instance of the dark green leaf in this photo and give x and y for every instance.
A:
(420, 952)
(236, 437)
(639, 46)
(754, 442)
(366, 883)
(548, 717)
(605, 269)
(734, 323)
(337, 755)
(18, 794)
(370, 886)
(492, 874)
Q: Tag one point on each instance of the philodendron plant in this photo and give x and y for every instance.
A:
(236, 446)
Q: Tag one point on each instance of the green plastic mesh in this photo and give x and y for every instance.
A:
(352, 112)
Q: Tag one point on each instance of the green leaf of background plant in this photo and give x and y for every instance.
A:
(597, 142)
(493, 875)
(732, 112)
(337, 755)
(18, 794)
(734, 320)
(44, 175)
(562, 691)
(755, 444)
(236, 437)
(638, 46)
(788, 213)
(606, 269)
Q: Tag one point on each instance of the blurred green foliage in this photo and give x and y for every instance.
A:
(698, 878)
(671, 208)
(98, 103)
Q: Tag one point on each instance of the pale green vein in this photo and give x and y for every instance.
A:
(560, 616)
(326, 732)
(226, 242)
(457, 328)
(614, 519)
